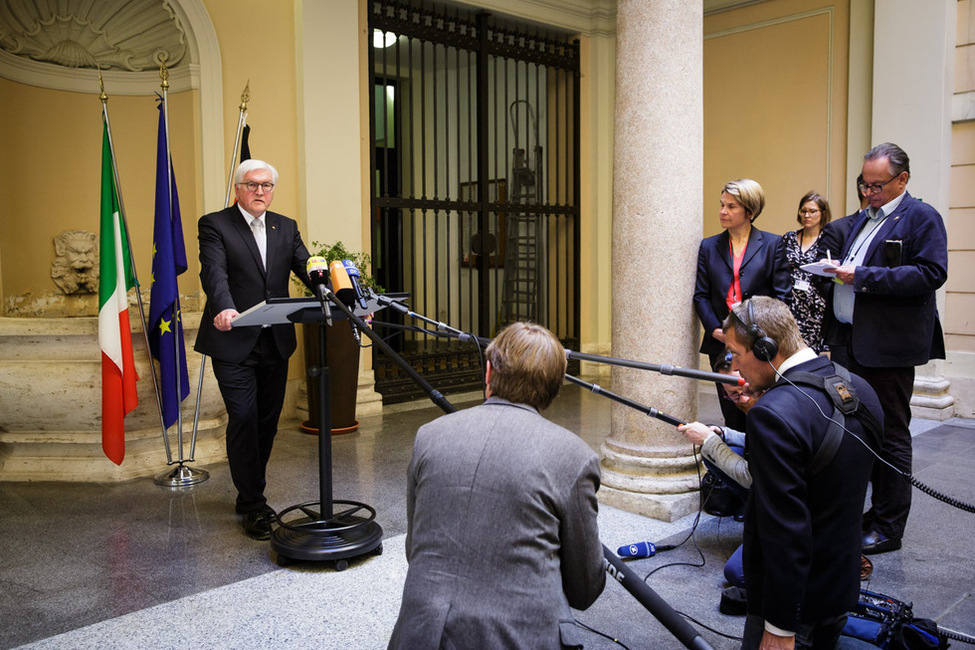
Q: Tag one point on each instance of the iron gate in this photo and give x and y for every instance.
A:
(475, 205)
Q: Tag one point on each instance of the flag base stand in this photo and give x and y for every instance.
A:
(181, 476)
(312, 537)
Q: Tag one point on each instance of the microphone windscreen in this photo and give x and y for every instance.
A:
(340, 277)
(316, 268)
(351, 268)
(639, 549)
(341, 283)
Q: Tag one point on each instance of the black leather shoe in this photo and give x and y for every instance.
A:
(257, 525)
(266, 509)
(876, 542)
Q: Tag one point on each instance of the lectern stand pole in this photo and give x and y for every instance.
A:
(326, 530)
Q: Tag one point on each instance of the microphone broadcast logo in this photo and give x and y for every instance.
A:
(639, 549)
(354, 276)
(317, 268)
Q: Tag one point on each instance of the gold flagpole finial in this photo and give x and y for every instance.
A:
(101, 84)
(245, 96)
(163, 71)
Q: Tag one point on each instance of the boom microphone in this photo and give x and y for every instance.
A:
(354, 276)
(653, 602)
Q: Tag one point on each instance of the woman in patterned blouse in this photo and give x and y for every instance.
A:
(802, 247)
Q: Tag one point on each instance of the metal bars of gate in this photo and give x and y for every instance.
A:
(475, 121)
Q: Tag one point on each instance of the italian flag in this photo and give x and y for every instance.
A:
(119, 395)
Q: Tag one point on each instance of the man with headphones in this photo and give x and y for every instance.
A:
(802, 520)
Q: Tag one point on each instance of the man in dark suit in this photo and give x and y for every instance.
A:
(247, 255)
(501, 534)
(884, 320)
(802, 520)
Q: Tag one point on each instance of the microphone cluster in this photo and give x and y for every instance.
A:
(341, 279)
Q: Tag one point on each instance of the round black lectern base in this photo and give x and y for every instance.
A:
(303, 534)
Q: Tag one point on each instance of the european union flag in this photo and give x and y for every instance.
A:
(168, 261)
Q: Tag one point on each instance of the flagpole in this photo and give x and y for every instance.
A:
(164, 84)
(182, 475)
(241, 120)
(103, 96)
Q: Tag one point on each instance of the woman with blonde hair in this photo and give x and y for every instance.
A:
(740, 262)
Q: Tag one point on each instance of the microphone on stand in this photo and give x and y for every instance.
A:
(317, 268)
(344, 290)
(342, 284)
(354, 276)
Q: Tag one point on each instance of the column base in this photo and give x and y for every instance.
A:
(931, 400)
(664, 507)
(368, 401)
(77, 456)
(664, 487)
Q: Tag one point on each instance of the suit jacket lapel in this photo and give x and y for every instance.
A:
(724, 248)
(756, 239)
(272, 231)
(854, 232)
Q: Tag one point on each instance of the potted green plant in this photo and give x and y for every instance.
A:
(342, 351)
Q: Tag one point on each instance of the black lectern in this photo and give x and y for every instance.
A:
(315, 530)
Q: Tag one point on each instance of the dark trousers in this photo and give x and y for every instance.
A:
(821, 636)
(253, 392)
(891, 494)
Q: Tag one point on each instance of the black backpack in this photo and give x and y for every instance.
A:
(839, 388)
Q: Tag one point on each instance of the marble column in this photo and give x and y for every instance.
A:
(647, 466)
(919, 122)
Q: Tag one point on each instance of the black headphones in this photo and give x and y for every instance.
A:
(763, 347)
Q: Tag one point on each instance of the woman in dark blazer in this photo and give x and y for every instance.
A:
(734, 265)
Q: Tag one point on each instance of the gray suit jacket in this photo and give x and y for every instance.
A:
(502, 534)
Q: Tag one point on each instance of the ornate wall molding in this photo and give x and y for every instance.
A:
(57, 77)
(590, 17)
(132, 35)
(60, 46)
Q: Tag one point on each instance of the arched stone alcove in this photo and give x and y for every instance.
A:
(50, 383)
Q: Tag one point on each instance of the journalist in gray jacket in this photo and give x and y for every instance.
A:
(501, 504)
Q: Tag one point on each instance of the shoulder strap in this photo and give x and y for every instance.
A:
(839, 388)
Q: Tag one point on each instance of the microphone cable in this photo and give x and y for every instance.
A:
(602, 634)
(927, 489)
(691, 535)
